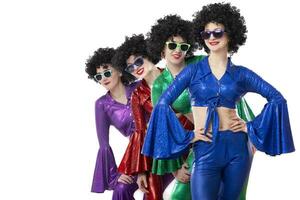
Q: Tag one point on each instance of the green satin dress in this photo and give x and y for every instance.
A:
(182, 191)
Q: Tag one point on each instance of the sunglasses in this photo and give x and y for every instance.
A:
(218, 33)
(139, 61)
(181, 46)
(107, 73)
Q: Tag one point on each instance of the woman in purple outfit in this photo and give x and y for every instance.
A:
(114, 109)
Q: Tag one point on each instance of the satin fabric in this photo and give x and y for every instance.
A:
(226, 160)
(125, 191)
(133, 161)
(180, 105)
(110, 112)
(181, 191)
(270, 131)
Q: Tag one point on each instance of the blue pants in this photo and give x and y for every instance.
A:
(226, 160)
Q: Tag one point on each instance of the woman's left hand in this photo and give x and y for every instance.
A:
(238, 125)
(142, 182)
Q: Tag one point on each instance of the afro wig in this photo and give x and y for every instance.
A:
(135, 45)
(166, 27)
(227, 15)
(101, 57)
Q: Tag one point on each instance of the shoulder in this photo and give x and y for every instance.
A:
(160, 79)
(194, 59)
(197, 67)
(243, 73)
(138, 88)
(242, 70)
(137, 91)
(132, 87)
(190, 67)
(102, 101)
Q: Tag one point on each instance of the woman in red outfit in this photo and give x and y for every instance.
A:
(132, 55)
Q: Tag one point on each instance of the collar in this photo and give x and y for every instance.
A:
(167, 75)
(206, 68)
(130, 88)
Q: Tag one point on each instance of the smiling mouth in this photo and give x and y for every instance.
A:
(213, 43)
(106, 83)
(176, 56)
(140, 71)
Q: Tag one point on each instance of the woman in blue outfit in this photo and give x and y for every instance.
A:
(215, 84)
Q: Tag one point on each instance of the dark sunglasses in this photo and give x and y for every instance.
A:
(218, 33)
(174, 45)
(107, 73)
(139, 61)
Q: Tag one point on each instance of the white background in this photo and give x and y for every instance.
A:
(48, 142)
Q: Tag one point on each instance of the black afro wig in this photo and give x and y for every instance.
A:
(227, 15)
(166, 27)
(101, 57)
(135, 45)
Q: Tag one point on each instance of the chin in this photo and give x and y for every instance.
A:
(177, 62)
(216, 49)
(107, 88)
(138, 76)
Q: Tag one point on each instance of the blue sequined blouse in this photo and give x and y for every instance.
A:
(270, 131)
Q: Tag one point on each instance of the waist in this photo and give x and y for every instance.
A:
(222, 104)
(226, 117)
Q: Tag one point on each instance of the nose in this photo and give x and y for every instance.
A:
(103, 78)
(178, 49)
(211, 36)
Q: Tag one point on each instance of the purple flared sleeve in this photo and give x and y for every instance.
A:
(105, 174)
(270, 131)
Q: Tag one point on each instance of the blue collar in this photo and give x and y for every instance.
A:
(206, 68)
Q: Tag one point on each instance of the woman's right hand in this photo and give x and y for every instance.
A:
(183, 175)
(199, 135)
(125, 179)
(142, 182)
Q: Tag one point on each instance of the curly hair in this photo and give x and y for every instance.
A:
(103, 56)
(227, 15)
(135, 45)
(166, 27)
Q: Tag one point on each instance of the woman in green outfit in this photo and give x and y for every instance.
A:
(171, 39)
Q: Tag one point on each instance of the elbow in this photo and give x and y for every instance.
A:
(277, 98)
(164, 99)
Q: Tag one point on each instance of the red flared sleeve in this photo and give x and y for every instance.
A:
(133, 161)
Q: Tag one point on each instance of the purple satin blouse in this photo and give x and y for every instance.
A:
(110, 112)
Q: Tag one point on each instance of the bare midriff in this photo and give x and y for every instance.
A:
(226, 117)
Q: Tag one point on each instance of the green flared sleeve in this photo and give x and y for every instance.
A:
(181, 104)
(161, 167)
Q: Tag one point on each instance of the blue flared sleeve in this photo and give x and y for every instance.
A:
(166, 138)
(270, 131)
